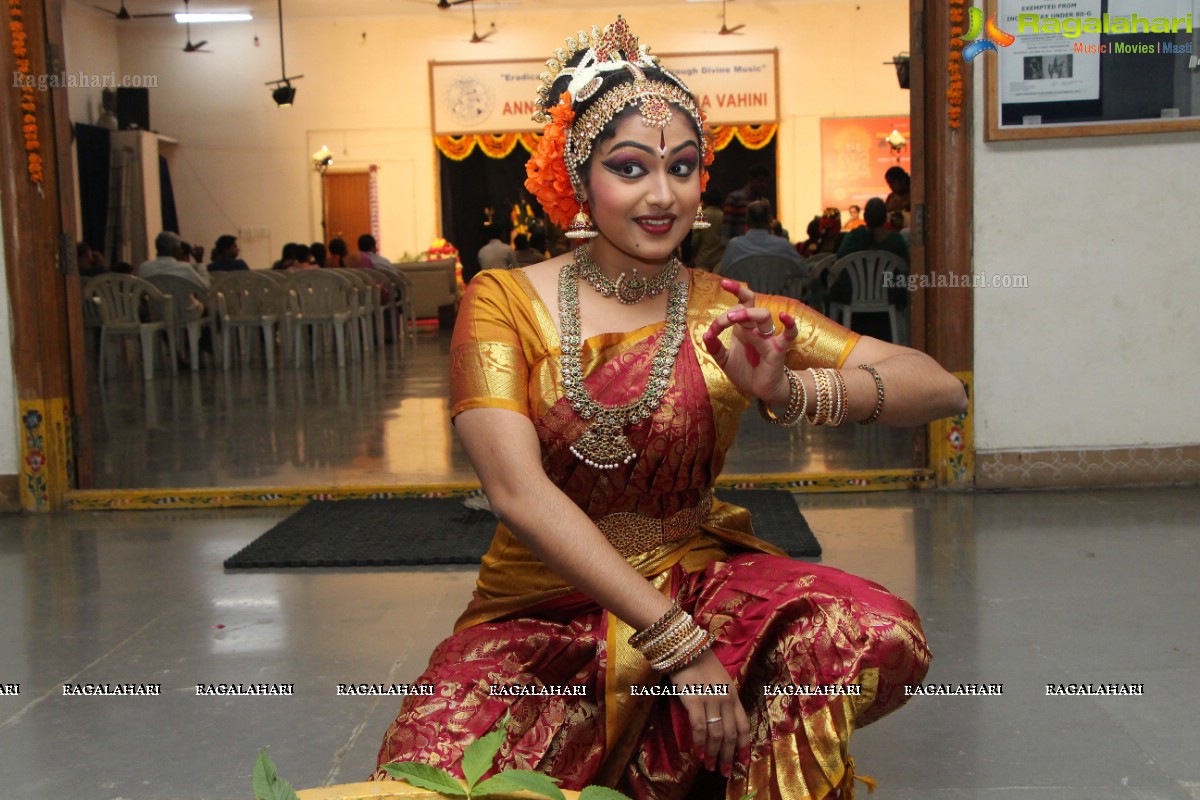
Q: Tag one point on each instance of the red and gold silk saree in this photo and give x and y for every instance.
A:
(776, 622)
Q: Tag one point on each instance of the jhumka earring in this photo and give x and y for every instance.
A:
(581, 227)
(700, 223)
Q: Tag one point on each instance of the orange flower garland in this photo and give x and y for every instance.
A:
(955, 91)
(29, 125)
(546, 169)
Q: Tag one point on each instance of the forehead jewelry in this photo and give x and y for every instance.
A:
(662, 143)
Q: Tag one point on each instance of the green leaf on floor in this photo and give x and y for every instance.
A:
(426, 777)
(267, 783)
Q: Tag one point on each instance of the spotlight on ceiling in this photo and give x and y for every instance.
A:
(284, 95)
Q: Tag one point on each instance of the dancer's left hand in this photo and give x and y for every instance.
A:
(754, 361)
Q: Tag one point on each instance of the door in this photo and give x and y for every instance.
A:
(347, 213)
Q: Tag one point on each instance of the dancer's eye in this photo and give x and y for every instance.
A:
(683, 167)
(626, 167)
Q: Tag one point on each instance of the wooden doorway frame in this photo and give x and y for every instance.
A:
(44, 288)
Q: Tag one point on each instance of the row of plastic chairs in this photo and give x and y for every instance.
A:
(354, 308)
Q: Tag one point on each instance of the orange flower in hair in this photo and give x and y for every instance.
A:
(546, 169)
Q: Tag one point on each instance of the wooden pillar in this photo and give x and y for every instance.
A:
(943, 219)
(39, 257)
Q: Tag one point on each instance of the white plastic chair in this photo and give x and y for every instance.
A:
(192, 311)
(867, 291)
(321, 301)
(250, 300)
(130, 306)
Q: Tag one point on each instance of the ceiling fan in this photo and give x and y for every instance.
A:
(475, 37)
(447, 4)
(124, 13)
(725, 29)
(191, 47)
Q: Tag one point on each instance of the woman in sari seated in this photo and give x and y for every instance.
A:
(596, 394)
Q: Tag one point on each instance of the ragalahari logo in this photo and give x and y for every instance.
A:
(991, 35)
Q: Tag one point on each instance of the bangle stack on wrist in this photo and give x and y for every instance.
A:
(673, 642)
(797, 401)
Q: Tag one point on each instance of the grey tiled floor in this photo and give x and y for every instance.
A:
(383, 420)
(1019, 589)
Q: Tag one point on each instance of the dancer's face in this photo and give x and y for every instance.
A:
(643, 186)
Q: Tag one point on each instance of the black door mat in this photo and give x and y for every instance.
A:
(387, 533)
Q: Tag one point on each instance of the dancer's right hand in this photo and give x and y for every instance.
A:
(719, 726)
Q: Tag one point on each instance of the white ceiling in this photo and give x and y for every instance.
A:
(394, 8)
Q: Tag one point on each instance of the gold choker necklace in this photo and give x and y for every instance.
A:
(604, 444)
(628, 291)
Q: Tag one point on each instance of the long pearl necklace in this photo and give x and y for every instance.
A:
(604, 444)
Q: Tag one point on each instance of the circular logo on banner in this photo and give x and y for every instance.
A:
(469, 100)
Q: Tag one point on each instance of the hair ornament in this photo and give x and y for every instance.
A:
(566, 144)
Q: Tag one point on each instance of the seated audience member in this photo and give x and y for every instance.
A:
(855, 221)
(319, 254)
(123, 268)
(171, 260)
(368, 255)
(90, 263)
(287, 259)
(758, 240)
(225, 256)
(525, 254)
(304, 259)
(496, 254)
(337, 254)
(738, 201)
(197, 254)
(823, 232)
(707, 246)
(874, 235)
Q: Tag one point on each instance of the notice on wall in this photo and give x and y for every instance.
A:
(498, 96)
(1056, 54)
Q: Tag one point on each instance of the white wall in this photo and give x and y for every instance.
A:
(1100, 350)
(90, 45)
(243, 163)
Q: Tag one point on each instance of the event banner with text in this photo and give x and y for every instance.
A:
(498, 96)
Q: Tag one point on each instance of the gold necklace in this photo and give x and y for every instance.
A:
(604, 444)
(628, 291)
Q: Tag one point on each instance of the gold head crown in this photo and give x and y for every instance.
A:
(612, 50)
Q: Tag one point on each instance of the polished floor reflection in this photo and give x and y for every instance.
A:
(383, 420)
(1019, 589)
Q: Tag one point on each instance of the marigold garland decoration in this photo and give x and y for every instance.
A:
(954, 92)
(28, 104)
(547, 168)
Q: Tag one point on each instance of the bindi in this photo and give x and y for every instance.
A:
(662, 144)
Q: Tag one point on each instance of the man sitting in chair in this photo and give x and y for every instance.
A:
(759, 241)
(169, 249)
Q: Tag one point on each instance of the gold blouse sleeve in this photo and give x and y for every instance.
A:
(821, 343)
(488, 366)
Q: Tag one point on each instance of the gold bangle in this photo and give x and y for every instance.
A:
(797, 400)
(665, 621)
(839, 416)
(824, 401)
(878, 395)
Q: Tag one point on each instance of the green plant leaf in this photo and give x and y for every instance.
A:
(514, 780)
(481, 753)
(267, 783)
(601, 793)
(426, 777)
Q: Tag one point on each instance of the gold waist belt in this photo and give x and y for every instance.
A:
(632, 533)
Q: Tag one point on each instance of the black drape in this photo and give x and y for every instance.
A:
(472, 185)
(732, 167)
(93, 148)
(170, 220)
